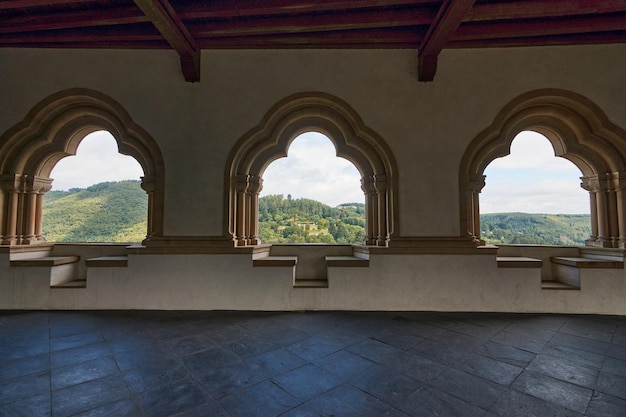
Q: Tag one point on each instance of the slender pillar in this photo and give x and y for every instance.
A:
(475, 186)
(255, 185)
(619, 185)
(371, 210)
(10, 184)
(241, 186)
(380, 185)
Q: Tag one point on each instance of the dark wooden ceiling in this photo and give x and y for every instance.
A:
(428, 26)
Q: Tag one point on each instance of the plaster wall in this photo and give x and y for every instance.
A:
(392, 282)
(427, 125)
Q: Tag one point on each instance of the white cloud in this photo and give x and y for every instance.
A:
(532, 180)
(96, 160)
(312, 170)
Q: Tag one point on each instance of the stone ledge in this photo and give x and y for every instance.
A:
(346, 261)
(518, 262)
(107, 262)
(48, 261)
(557, 285)
(289, 261)
(579, 262)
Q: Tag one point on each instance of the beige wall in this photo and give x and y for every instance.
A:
(426, 125)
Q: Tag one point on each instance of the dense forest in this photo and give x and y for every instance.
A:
(287, 220)
(105, 212)
(116, 212)
(538, 229)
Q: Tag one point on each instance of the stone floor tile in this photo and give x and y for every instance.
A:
(347, 401)
(507, 354)
(554, 390)
(122, 408)
(469, 388)
(519, 341)
(24, 366)
(210, 409)
(187, 345)
(588, 330)
(611, 384)
(81, 339)
(69, 357)
(88, 395)
(429, 402)
(615, 367)
(83, 371)
(171, 399)
(38, 404)
(603, 405)
(263, 400)
(564, 370)
(218, 382)
(387, 385)
(517, 404)
(399, 340)
(23, 387)
(307, 382)
(581, 357)
(490, 369)
(441, 353)
(275, 362)
(344, 365)
(154, 374)
(580, 343)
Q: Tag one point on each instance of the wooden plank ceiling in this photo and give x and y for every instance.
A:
(428, 26)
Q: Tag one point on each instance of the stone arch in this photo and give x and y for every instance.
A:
(578, 131)
(268, 141)
(53, 130)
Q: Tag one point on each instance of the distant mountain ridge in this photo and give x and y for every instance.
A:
(116, 212)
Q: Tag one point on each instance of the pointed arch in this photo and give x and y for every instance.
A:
(578, 131)
(53, 130)
(268, 141)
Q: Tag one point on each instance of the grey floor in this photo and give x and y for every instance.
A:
(310, 364)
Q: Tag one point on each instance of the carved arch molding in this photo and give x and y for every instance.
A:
(53, 130)
(578, 131)
(268, 141)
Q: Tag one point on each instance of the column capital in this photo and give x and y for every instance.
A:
(476, 182)
(148, 183)
(10, 182)
(255, 184)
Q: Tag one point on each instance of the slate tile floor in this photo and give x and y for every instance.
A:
(342, 364)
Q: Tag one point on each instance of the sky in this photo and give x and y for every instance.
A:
(530, 180)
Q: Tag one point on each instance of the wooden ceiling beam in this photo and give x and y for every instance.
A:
(165, 19)
(22, 4)
(528, 9)
(554, 40)
(546, 27)
(242, 8)
(450, 15)
(75, 19)
(310, 23)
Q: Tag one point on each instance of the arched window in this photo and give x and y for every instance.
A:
(270, 140)
(578, 131)
(324, 201)
(97, 196)
(51, 131)
(533, 197)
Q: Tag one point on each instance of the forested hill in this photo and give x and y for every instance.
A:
(105, 212)
(538, 229)
(116, 212)
(287, 220)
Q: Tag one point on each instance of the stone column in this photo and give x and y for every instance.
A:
(380, 185)
(10, 184)
(619, 185)
(371, 210)
(475, 186)
(255, 185)
(590, 184)
(241, 217)
(42, 185)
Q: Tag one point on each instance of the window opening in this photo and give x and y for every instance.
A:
(96, 195)
(312, 196)
(533, 197)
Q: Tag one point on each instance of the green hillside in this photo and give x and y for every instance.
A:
(116, 212)
(308, 221)
(538, 229)
(105, 212)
